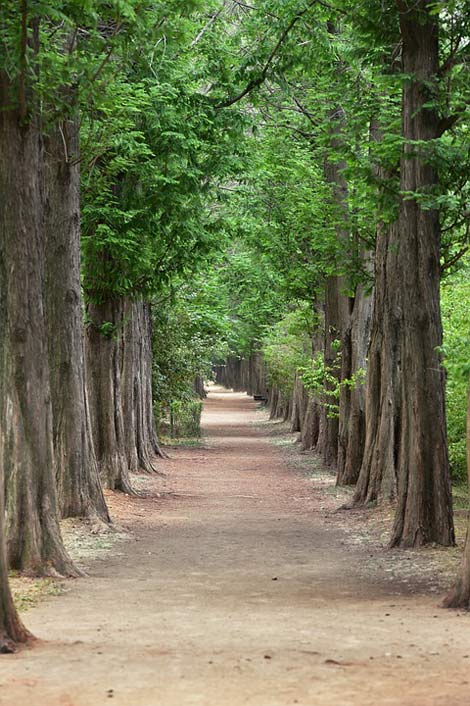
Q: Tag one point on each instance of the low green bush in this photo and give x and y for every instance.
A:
(456, 349)
(185, 419)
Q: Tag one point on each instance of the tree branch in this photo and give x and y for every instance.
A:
(450, 120)
(256, 82)
(455, 258)
(207, 26)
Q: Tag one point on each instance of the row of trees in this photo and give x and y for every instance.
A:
(109, 146)
(145, 143)
(358, 205)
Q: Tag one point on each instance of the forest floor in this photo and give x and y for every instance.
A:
(234, 582)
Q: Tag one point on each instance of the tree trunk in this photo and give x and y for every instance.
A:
(299, 403)
(119, 356)
(352, 401)
(104, 366)
(199, 387)
(424, 510)
(12, 630)
(378, 475)
(79, 487)
(336, 318)
(34, 541)
(140, 429)
(311, 426)
(312, 417)
(337, 304)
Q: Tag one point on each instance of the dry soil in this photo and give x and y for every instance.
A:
(231, 589)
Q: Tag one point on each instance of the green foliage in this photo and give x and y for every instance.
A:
(287, 347)
(456, 322)
(151, 145)
(221, 212)
(191, 328)
(323, 381)
(185, 419)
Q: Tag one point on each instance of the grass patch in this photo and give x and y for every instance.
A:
(168, 441)
(28, 592)
(460, 495)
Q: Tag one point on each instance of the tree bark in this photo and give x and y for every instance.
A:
(337, 304)
(199, 387)
(424, 510)
(104, 366)
(79, 488)
(119, 357)
(352, 402)
(140, 429)
(378, 474)
(299, 405)
(311, 425)
(34, 541)
(336, 321)
(12, 630)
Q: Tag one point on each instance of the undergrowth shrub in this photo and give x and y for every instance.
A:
(456, 322)
(185, 419)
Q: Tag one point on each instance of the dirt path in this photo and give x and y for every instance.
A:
(231, 592)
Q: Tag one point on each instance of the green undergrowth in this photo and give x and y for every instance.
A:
(186, 442)
(460, 495)
(28, 592)
(183, 423)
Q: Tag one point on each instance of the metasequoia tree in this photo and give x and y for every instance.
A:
(377, 479)
(151, 153)
(76, 471)
(119, 369)
(405, 453)
(424, 511)
(33, 536)
(336, 300)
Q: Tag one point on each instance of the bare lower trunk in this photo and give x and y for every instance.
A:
(336, 321)
(312, 417)
(104, 366)
(12, 630)
(311, 425)
(199, 388)
(79, 487)
(232, 373)
(258, 375)
(140, 429)
(287, 409)
(119, 355)
(299, 405)
(378, 476)
(274, 402)
(33, 536)
(352, 403)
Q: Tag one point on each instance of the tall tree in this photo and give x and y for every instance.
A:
(33, 535)
(424, 511)
(76, 471)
